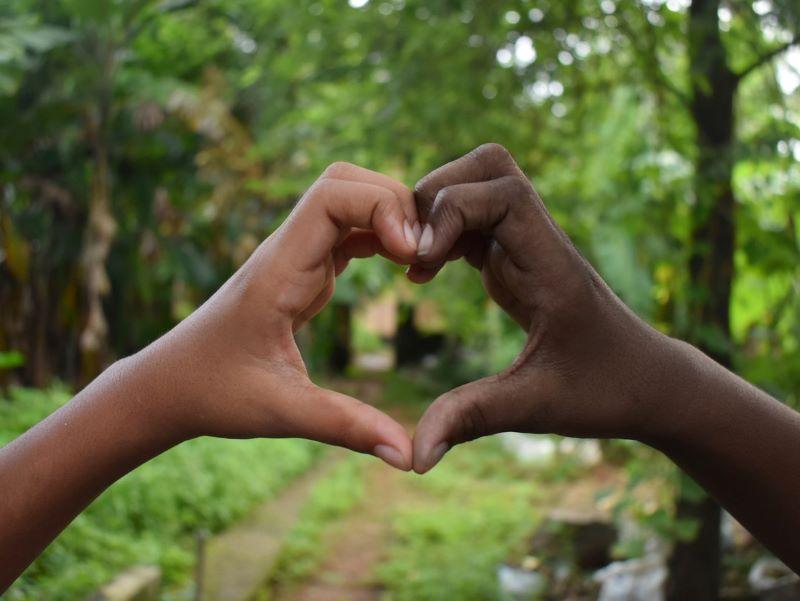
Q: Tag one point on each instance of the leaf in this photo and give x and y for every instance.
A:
(11, 359)
(43, 38)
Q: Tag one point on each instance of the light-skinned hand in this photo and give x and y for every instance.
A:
(233, 369)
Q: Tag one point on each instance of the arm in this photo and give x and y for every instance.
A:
(591, 367)
(49, 474)
(231, 369)
(736, 441)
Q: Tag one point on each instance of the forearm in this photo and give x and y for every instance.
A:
(53, 471)
(736, 441)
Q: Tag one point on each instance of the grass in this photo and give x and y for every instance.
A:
(150, 515)
(481, 505)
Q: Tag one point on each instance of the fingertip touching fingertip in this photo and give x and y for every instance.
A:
(417, 231)
(433, 457)
(425, 240)
(408, 233)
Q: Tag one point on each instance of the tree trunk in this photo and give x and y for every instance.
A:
(100, 231)
(407, 338)
(341, 347)
(326, 343)
(694, 567)
(99, 235)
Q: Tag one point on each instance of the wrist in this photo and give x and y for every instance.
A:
(670, 390)
(147, 399)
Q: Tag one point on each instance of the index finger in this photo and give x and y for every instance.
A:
(355, 173)
(331, 208)
(486, 162)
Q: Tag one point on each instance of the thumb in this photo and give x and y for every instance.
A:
(334, 418)
(487, 406)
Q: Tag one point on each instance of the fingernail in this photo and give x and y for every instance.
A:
(409, 234)
(436, 454)
(391, 456)
(425, 241)
(417, 229)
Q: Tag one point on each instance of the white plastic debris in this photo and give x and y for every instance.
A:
(529, 448)
(517, 584)
(539, 448)
(768, 574)
(586, 450)
(633, 580)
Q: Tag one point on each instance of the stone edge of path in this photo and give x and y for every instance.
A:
(239, 560)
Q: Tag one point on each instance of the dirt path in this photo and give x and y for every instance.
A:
(357, 544)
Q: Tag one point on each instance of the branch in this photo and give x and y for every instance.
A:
(647, 54)
(662, 79)
(765, 58)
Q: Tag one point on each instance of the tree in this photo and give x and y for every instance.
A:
(694, 565)
(657, 131)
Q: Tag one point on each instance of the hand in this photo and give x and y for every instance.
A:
(587, 357)
(232, 368)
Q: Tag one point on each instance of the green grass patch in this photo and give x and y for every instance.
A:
(150, 515)
(481, 504)
(415, 388)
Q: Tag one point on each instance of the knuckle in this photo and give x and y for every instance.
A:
(403, 193)
(318, 192)
(514, 188)
(492, 151)
(446, 207)
(517, 194)
(520, 186)
(385, 208)
(490, 160)
(425, 189)
(347, 427)
(338, 169)
(445, 198)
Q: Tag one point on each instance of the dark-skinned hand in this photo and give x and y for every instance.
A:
(580, 334)
(590, 367)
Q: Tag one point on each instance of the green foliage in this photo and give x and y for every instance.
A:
(651, 485)
(23, 408)
(22, 41)
(151, 514)
(11, 359)
(222, 112)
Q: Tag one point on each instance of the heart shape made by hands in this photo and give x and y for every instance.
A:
(570, 378)
(582, 341)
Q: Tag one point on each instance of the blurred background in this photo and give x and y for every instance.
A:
(147, 147)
